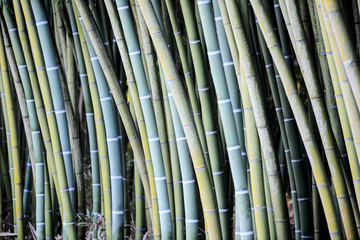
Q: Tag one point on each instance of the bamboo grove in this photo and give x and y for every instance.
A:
(189, 119)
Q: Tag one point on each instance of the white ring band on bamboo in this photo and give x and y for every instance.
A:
(66, 152)
(94, 58)
(115, 139)
(27, 190)
(106, 43)
(217, 172)
(287, 56)
(181, 139)
(219, 18)
(268, 65)
(35, 132)
(248, 233)
(203, 89)
(30, 100)
(41, 23)
(287, 150)
(40, 224)
(145, 97)
(176, 33)
(303, 199)
(160, 178)
(236, 147)
(12, 30)
(225, 64)
(117, 212)
(22, 66)
(40, 195)
(203, 2)
(224, 101)
(210, 132)
(105, 99)
(96, 184)
(134, 53)
(243, 153)
(223, 210)
(296, 160)
(212, 53)
(29, 164)
(288, 119)
(238, 110)
(170, 94)
(70, 223)
(75, 33)
(191, 220)
(154, 139)
(60, 111)
(64, 190)
(297, 231)
(165, 211)
(348, 62)
(293, 191)
(188, 181)
(89, 114)
(123, 7)
(71, 189)
(116, 177)
(242, 192)
(278, 109)
(307, 237)
(93, 151)
(83, 75)
(51, 111)
(52, 68)
(194, 41)
(39, 164)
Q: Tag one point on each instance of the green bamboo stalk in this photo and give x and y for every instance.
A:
(88, 109)
(346, 48)
(114, 86)
(150, 121)
(53, 128)
(272, 166)
(139, 206)
(168, 65)
(154, 213)
(226, 111)
(34, 124)
(58, 96)
(300, 116)
(310, 77)
(158, 109)
(343, 95)
(187, 174)
(14, 140)
(179, 190)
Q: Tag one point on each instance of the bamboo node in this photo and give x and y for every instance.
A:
(247, 233)
(242, 192)
(307, 236)
(41, 23)
(200, 2)
(155, 33)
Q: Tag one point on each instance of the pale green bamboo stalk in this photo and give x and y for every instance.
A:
(300, 117)
(14, 138)
(182, 105)
(119, 99)
(50, 115)
(272, 166)
(345, 46)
